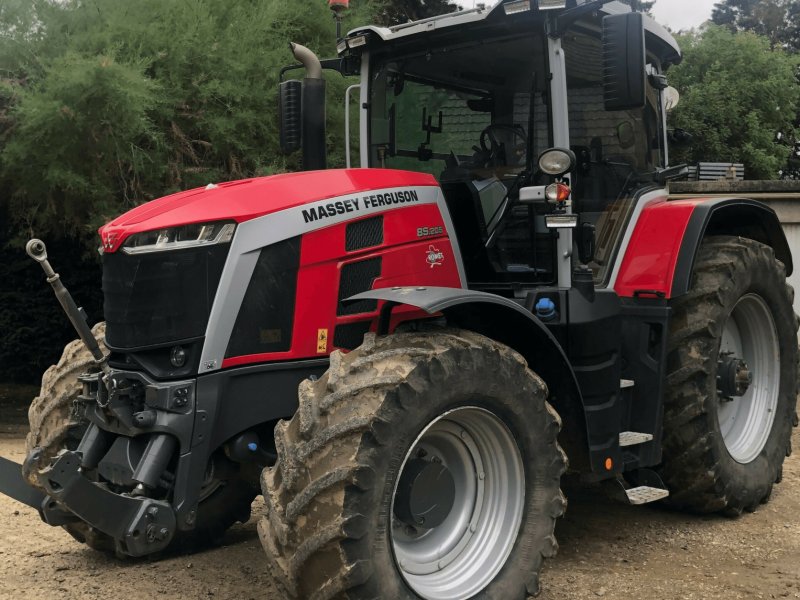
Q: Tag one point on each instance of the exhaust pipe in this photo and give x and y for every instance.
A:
(313, 111)
(38, 252)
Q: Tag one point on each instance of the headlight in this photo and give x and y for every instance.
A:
(557, 161)
(178, 238)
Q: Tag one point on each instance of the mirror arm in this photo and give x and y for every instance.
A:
(565, 19)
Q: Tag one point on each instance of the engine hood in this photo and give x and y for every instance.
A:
(247, 199)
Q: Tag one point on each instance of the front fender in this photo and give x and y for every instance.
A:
(507, 322)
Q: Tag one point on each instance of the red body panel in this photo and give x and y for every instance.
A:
(250, 198)
(404, 262)
(652, 254)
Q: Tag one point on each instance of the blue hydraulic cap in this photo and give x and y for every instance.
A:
(545, 308)
(252, 446)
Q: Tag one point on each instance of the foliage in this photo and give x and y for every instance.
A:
(736, 94)
(395, 12)
(640, 5)
(104, 106)
(778, 20)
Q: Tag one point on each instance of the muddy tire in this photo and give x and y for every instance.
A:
(55, 426)
(450, 408)
(724, 450)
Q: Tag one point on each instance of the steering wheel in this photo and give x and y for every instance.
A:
(493, 149)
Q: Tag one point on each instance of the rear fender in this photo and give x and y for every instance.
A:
(729, 216)
(509, 323)
(660, 257)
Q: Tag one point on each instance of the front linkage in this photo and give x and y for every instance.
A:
(120, 410)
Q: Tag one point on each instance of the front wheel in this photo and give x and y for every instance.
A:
(420, 465)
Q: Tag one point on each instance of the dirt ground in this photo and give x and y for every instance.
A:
(607, 550)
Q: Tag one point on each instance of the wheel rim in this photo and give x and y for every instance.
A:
(746, 421)
(463, 554)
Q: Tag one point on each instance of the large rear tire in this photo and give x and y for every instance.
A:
(420, 465)
(55, 425)
(723, 450)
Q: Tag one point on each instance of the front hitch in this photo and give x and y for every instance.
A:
(38, 252)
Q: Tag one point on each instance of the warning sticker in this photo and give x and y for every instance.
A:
(322, 341)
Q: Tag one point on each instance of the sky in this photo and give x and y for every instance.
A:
(683, 14)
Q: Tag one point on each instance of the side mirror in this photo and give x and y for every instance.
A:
(624, 61)
(290, 115)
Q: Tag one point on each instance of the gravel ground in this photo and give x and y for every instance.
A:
(607, 550)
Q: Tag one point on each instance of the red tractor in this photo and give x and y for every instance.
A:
(502, 285)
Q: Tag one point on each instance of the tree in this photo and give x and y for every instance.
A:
(736, 93)
(640, 5)
(778, 20)
(104, 106)
(395, 12)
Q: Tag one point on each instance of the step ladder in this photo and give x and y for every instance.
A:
(645, 494)
(632, 438)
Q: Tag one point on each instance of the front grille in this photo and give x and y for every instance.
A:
(157, 298)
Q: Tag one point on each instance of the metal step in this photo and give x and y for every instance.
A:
(631, 438)
(626, 383)
(644, 494)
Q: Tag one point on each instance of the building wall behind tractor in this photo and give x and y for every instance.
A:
(788, 210)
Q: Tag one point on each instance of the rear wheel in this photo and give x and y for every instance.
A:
(732, 383)
(55, 425)
(420, 465)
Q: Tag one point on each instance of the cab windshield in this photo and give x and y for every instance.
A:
(460, 107)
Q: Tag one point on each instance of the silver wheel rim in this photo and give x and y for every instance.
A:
(746, 421)
(463, 555)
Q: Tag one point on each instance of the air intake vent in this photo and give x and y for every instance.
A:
(364, 234)
(351, 335)
(357, 277)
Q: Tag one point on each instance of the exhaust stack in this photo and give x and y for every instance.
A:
(312, 109)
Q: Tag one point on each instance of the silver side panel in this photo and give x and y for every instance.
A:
(363, 112)
(253, 235)
(347, 123)
(648, 198)
(558, 93)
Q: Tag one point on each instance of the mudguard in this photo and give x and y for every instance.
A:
(660, 257)
(507, 322)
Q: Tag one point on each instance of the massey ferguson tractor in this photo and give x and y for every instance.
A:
(402, 357)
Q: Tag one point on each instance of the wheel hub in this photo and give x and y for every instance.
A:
(465, 477)
(733, 377)
(425, 494)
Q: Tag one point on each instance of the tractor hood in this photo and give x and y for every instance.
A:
(247, 199)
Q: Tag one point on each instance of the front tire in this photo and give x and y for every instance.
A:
(723, 450)
(451, 409)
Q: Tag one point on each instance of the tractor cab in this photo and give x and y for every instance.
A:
(476, 97)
